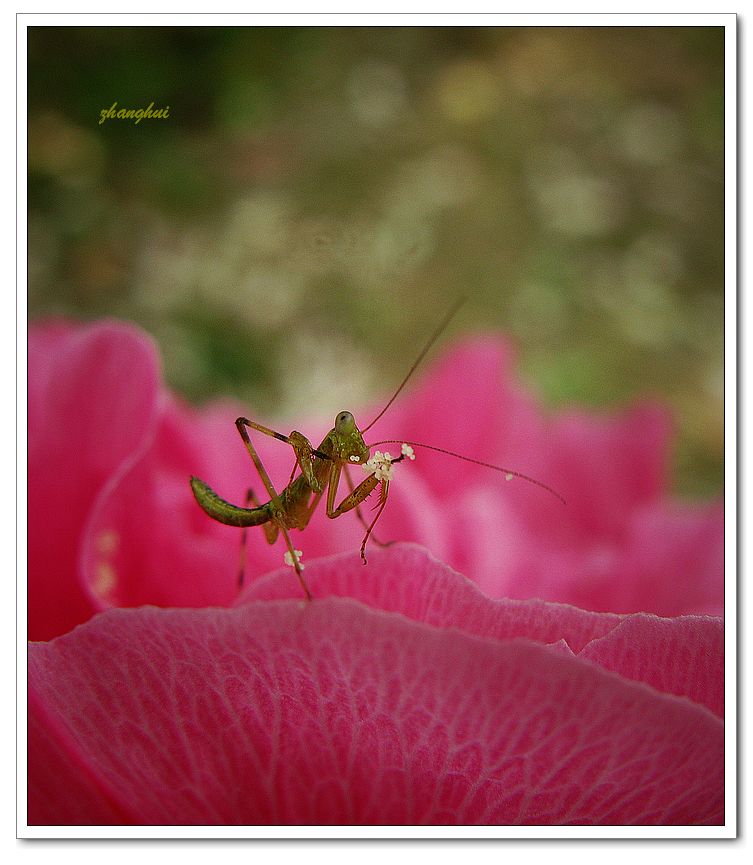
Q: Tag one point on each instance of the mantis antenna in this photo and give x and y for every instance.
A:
(445, 321)
(508, 473)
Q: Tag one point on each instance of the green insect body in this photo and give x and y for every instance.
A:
(224, 512)
(321, 470)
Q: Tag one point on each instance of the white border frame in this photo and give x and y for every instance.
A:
(729, 22)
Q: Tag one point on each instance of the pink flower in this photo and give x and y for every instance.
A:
(401, 695)
(619, 545)
(461, 709)
(93, 404)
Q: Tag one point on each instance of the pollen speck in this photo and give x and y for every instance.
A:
(288, 558)
(108, 542)
(355, 459)
(105, 578)
(509, 476)
(407, 451)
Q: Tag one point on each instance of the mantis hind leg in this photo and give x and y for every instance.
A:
(271, 531)
(275, 502)
(302, 447)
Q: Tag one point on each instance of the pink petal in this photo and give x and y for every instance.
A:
(169, 552)
(674, 559)
(326, 713)
(91, 408)
(669, 560)
(45, 342)
(62, 789)
(468, 402)
(682, 656)
(515, 539)
(606, 466)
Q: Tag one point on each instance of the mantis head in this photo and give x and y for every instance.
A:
(349, 443)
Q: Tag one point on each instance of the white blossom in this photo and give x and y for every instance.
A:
(289, 558)
(380, 465)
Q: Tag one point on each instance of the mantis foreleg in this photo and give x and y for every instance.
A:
(382, 502)
(362, 518)
(355, 498)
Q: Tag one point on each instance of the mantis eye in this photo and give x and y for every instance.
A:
(344, 423)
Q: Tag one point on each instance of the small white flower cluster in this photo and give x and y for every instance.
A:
(289, 559)
(380, 464)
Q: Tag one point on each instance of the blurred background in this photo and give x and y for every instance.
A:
(318, 197)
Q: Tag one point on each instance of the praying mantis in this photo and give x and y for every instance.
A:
(321, 470)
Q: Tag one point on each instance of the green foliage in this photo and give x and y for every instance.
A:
(318, 195)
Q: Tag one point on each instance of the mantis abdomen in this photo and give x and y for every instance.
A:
(224, 512)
